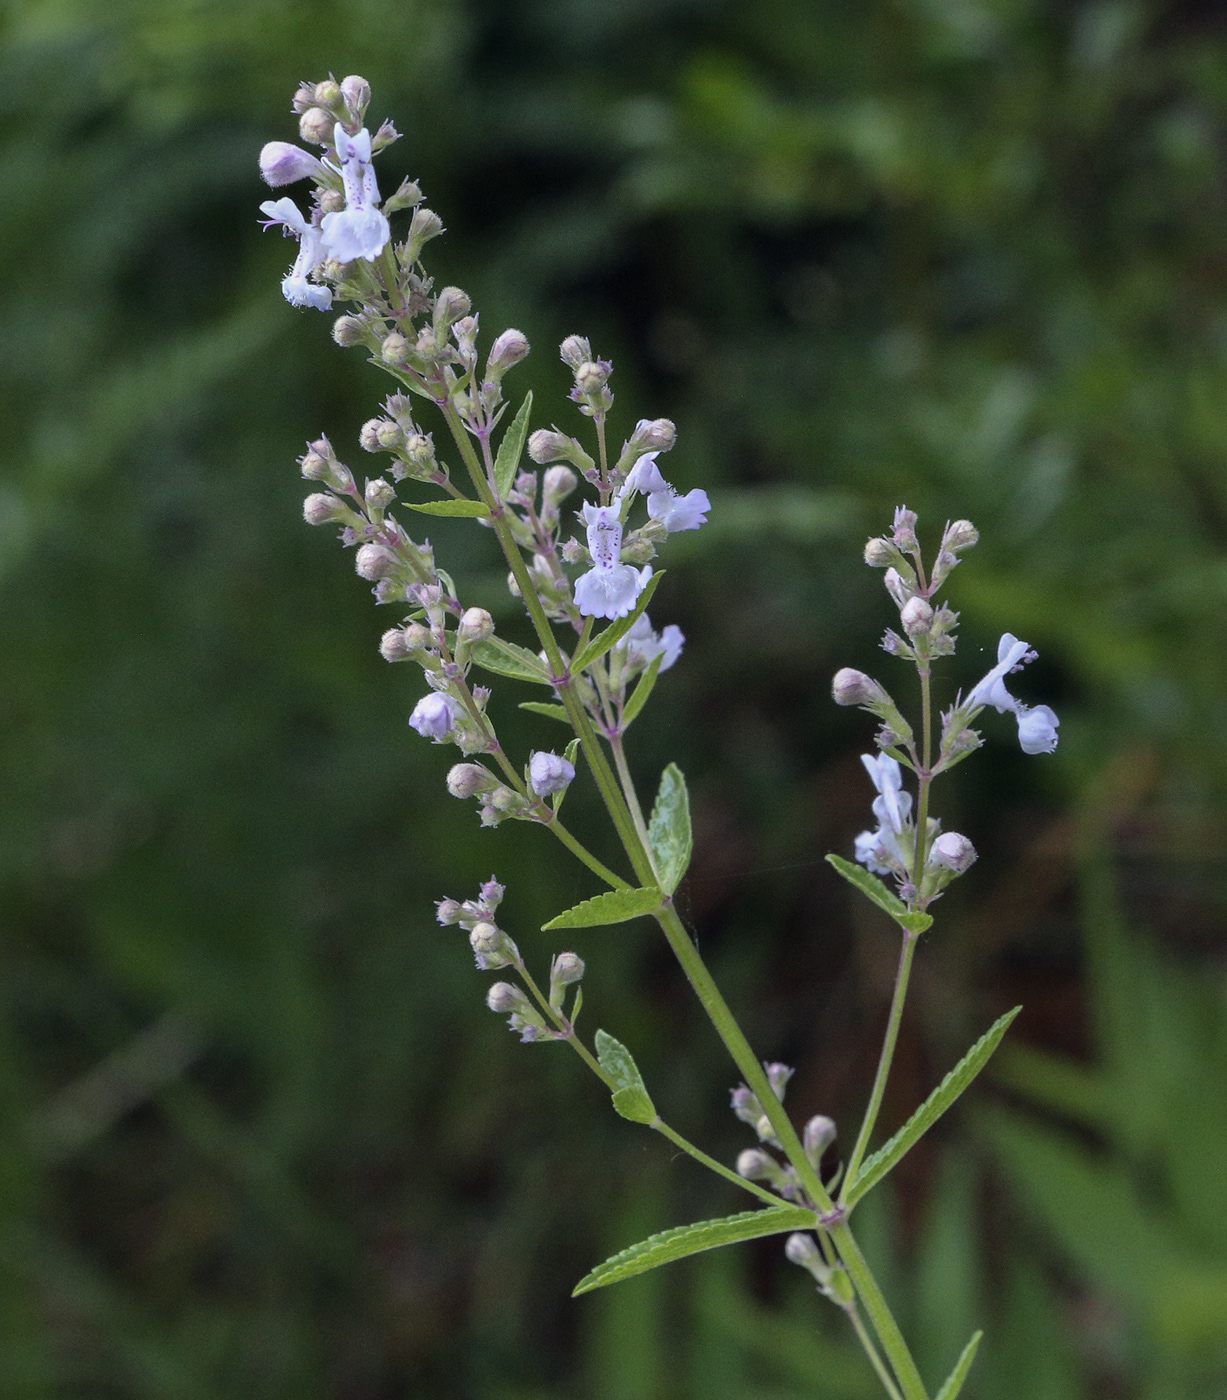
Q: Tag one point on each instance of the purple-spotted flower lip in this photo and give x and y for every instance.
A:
(360, 230)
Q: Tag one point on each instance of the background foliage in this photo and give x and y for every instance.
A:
(262, 1138)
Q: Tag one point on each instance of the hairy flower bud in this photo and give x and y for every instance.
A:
(447, 911)
(557, 485)
(476, 625)
(756, 1165)
(450, 305)
(392, 645)
(283, 164)
(508, 349)
(819, 1134)
(898, 587)
(424, 226)
(575, 351)
(347, 330)
(851, 687)
(548, 445)
(962, 534)
(375, 561)
(549, 773)
(394, 350)
(917, 617)
(328, 92)
(778, 1076)
(491, 946)
(566, 968)
(368, 435)
(357, 94)
(591, 377)
(417, 636)
(953, 852)
(878, 554)
(320, 509)
(469, 779)
(652, 435)
(317, 125)
(503, 997)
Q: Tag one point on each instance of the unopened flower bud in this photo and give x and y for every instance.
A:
(565, 969)
(448, 911)
(959, 536)
(417, 636)
(819, 1134)
(756, 1165)
(898, 587)
(347, 330)
(392, 646)
(375, 561)
(357, 94)
(283, 164)
(878, 554)
(953, 852)
(904, 534)
(368, 435)
(434, 716)
(745, 1104)
(557, 485)
(469, 779)
(505, 799)
(389, 435)
(331, 202)
(917, 617)
(851, 687)
(503, 997)
(575, 351)
(476, 625)
(319, 509)
(379, 494)
(508, 349)
(778, 1076)
(450, 305)
(801, 1249)
(652, 435)
(395, 349)
(424, 226)
(303, 98)
(549, 773)
(491, 946)
(420, 450)
(317, 125)
(328, 93)
(548, 445)
(591, 378)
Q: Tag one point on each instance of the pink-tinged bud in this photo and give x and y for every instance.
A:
(357, 94)
(851, 687)
(548, 773)
(303, 98)
(904, 534)
(283, 164)
(368, 435)
(347, 330)
(451, 305)
(317, 126)
(374, 561)
(819, 1134)
(392, 645)
(508, 349)
(575, 351)
(566, 969)
(557, 485)
(379, 495)
(959, 536)
(756, 1165)
(476, 625)
(953, 852)
(491, 946)
(468, 779)
(424, 226)
(548, 445)
(448, 912)
(778, 1076)
(503, 997)
(434, 716)
(878, 554)
(652, 435)
(898, 587)
(917, 617)
(319, 509)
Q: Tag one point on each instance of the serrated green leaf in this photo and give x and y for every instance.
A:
(634, 1104)
(541, 707)
(599, 645)
(463, 507)
(874, 1168)
(630, 1095)
(669, 829)
(954, 1382)
(615, 907)
(639, 696)
(511, 449)
(872, 888)
(508, 659)
(671, 1245)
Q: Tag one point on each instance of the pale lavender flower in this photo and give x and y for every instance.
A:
(676, 512)
(434, 716)
(643, 646)
(952, 851)
(645, 477)
(359, 230)
(871, 852)
(1037, 724)
(610, 588)
(549, 773)
(283, 164)
(294, 286)
(1037, 728)
(893, 807)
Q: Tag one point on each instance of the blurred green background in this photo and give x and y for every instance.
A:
(262, 1139)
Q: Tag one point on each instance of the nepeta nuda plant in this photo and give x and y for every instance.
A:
(573, 570)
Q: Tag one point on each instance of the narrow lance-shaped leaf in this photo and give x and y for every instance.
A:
(639, 696)
(511, 448)
(630, 1095)
(541, 707)
(508, 659)
(692, 1239)
(870, 886)
(954, 1382)
(669, 829)
(599, 645)
(874, 1168)
(461, 507)
(615, 907)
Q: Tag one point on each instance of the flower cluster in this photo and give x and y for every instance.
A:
(921, 858)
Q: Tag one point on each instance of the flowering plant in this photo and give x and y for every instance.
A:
(572, 570)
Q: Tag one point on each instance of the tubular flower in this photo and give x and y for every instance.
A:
(359, 230)
(610, 588)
